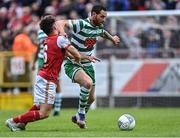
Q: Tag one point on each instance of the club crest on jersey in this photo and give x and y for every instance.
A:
(89, 42)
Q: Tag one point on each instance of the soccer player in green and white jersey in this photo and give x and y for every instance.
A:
(85, 33)
(40, 58)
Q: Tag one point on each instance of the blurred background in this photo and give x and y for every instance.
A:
(143, 71)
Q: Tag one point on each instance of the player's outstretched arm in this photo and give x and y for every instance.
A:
(69, 55)
(90, 58)
(73, 53)
(115, 39)
(61, 25)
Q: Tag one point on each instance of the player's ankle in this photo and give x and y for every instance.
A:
(81, 116)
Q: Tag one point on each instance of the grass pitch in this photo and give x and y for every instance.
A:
(102, 122)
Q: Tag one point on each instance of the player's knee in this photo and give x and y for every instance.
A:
(44, 115)
(91, 99)
(88, 84)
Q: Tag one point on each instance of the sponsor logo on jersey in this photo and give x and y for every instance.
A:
(89, 42)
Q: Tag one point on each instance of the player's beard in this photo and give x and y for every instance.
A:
(96, 22)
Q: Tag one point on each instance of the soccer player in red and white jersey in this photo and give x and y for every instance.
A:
(45, 84)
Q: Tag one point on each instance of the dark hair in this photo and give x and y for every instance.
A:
(47, 23)
(97, 9)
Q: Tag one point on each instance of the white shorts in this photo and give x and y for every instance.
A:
(44, 91)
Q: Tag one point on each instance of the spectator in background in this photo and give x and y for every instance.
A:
(103, 3)
(155, 5)
(132, 42)
(65, 7)
(35, 9)
(167, 40)
(26, 15)
(88, 8)
(171, 21)
(136, 5)
(6, 40)
(24, 47)
(56, 5)
(118, 5)
(175, 40)
(95, 2)
(73, 15)
(158, 5)
(26, 2)
(80, 7)
(171, 42)
(23, 43)
(153, 44)
(3, 18)
(171, 35)
(178, 5)
(170, 4)
(53, 8)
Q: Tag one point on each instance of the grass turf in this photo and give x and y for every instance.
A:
(102, 122)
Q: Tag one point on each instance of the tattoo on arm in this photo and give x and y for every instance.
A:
(107, 35)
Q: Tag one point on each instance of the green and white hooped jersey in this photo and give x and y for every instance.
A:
(84, 35)
(41, 37)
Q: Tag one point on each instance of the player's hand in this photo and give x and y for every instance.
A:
(93, 59)
(116, 39)
(77, 63)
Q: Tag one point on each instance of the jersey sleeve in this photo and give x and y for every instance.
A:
(76, 25)
(41, 36)
(103, 31)
(63, 42)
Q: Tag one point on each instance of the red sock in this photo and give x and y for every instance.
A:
(34, 107)
(27, 117)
